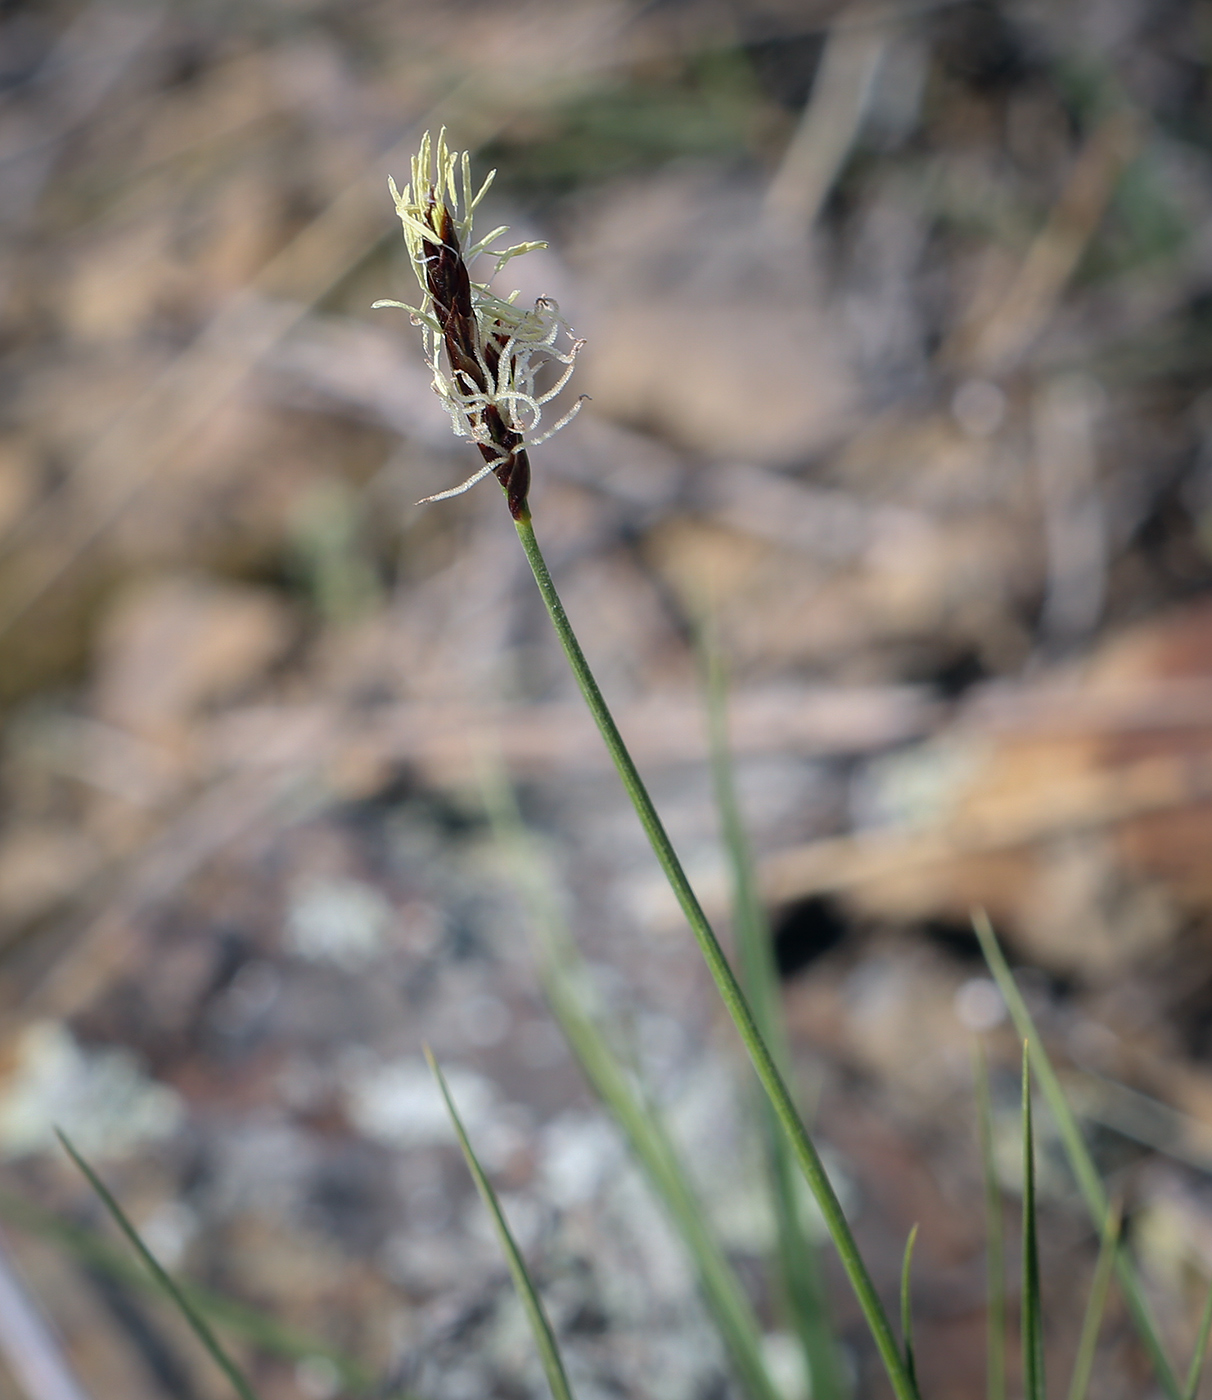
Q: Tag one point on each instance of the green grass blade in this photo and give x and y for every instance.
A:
(536, 1314)
(803, 1276)
(1083, 1364)
(754, 943)
(729, 989)
(164, 1281)
(1032, 1319)
(1201, 1349)
(907, 1308)
(562, 973)
(799, 1264)
(1080, 1161)
(995, 1229)
(662, 1165)
(95, 1252)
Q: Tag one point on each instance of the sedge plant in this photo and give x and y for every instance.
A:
(484, 353)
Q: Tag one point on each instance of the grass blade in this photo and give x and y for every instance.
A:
(1083, 1364)
(727, 986)
(753, 936)
(799, 1265)
(803, 1277)
(907, 1308)
(562, 973)
(1201, 1349)
(662, 1165)
(536, 1314)
(995, 1229)
(95, 1252)
(1032, 1320)
(163, 1279)
(1080, 1161)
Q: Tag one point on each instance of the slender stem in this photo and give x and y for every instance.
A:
(726, 983)
(996, 1233)
(907, 1306)
(1031, 1323)
(799, 1262)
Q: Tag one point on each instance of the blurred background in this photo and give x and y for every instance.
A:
(899, 343)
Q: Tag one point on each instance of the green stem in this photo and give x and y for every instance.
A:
(803, 1285)
(726, 983)
(996, 1234)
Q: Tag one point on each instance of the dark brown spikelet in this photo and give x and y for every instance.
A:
(449, 286)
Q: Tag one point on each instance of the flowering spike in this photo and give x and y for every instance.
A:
(484, 351)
